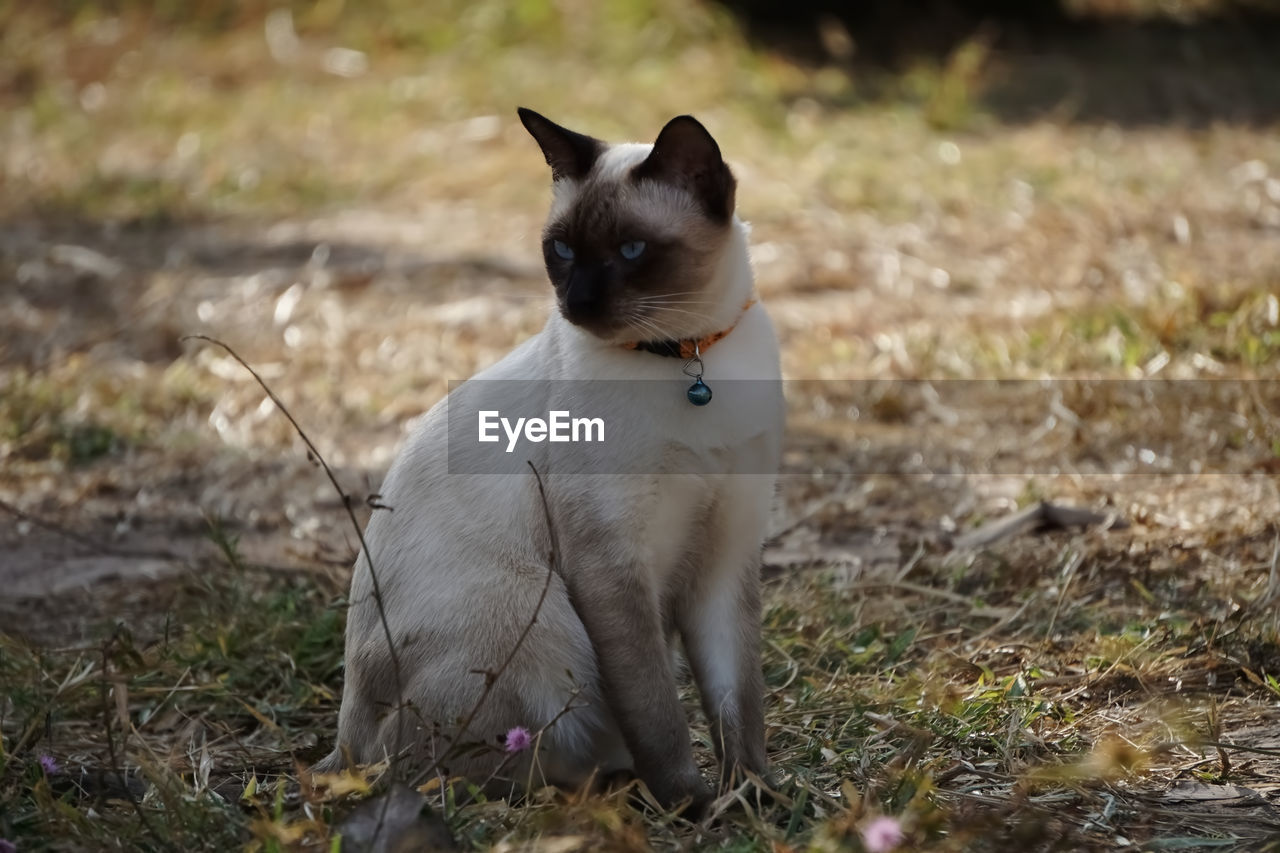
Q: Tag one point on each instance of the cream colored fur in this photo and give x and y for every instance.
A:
(462, 559)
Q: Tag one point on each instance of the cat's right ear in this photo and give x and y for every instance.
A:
(685, 154)
(569, 154)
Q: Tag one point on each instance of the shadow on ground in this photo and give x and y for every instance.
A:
(1024, 61)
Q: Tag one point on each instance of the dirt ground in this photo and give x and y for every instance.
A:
(359, 326)
(1121, 278)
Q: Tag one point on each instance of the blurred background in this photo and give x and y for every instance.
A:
(944, 189)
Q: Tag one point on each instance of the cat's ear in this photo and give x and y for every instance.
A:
(686, 155)
(569, 154)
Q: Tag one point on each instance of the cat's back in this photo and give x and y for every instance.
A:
(442, 515)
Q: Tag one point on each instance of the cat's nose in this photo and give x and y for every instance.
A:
(585, 297)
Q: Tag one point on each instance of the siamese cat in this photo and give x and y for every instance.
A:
(648, 261)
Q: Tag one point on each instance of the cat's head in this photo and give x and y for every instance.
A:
(636, 232)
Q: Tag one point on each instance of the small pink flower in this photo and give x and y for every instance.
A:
(7, 846)
(49, 764)
(518, 740)
(882, 834)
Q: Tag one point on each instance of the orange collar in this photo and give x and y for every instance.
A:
(687, 347)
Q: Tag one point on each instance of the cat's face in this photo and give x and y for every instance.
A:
(635, 231)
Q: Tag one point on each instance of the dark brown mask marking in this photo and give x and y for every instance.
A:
(687, 156)
(600, 288)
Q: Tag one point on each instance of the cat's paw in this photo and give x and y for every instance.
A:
(686, 794)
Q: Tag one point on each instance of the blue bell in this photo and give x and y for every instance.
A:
(699, 393)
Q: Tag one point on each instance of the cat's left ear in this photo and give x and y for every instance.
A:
(569, 154)
(686, 155)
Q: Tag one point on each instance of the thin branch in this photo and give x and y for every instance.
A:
(1043, 514)
(536, 738)
(85, 541)
(314, 453)
(491, 677)
(1239, 747)
(355, 523)
(111, 748)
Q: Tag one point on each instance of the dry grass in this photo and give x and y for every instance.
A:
(364, 239)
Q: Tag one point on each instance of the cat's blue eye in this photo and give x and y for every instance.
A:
(563, 250)
(632, 250)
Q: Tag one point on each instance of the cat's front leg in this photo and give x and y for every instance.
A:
(719, 622)
(720, 626)
(620, 613)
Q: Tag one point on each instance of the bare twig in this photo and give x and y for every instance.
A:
(314, 453)
(355, 523)
(491, 677)
(111, 748)
(1272, 593)
(908, 586)
(85, 541)
(1069, 574)
(1038, 515)
(536, 738)
(1238, 747)
(811, 509)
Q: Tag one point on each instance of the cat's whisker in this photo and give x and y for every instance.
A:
(648, 305)
(662, 306)
(696, 314)
(641, 316)
(672, 295)
(663, 300)
(644, 326)
(647, 326)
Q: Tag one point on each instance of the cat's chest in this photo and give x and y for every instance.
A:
(637, 404)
